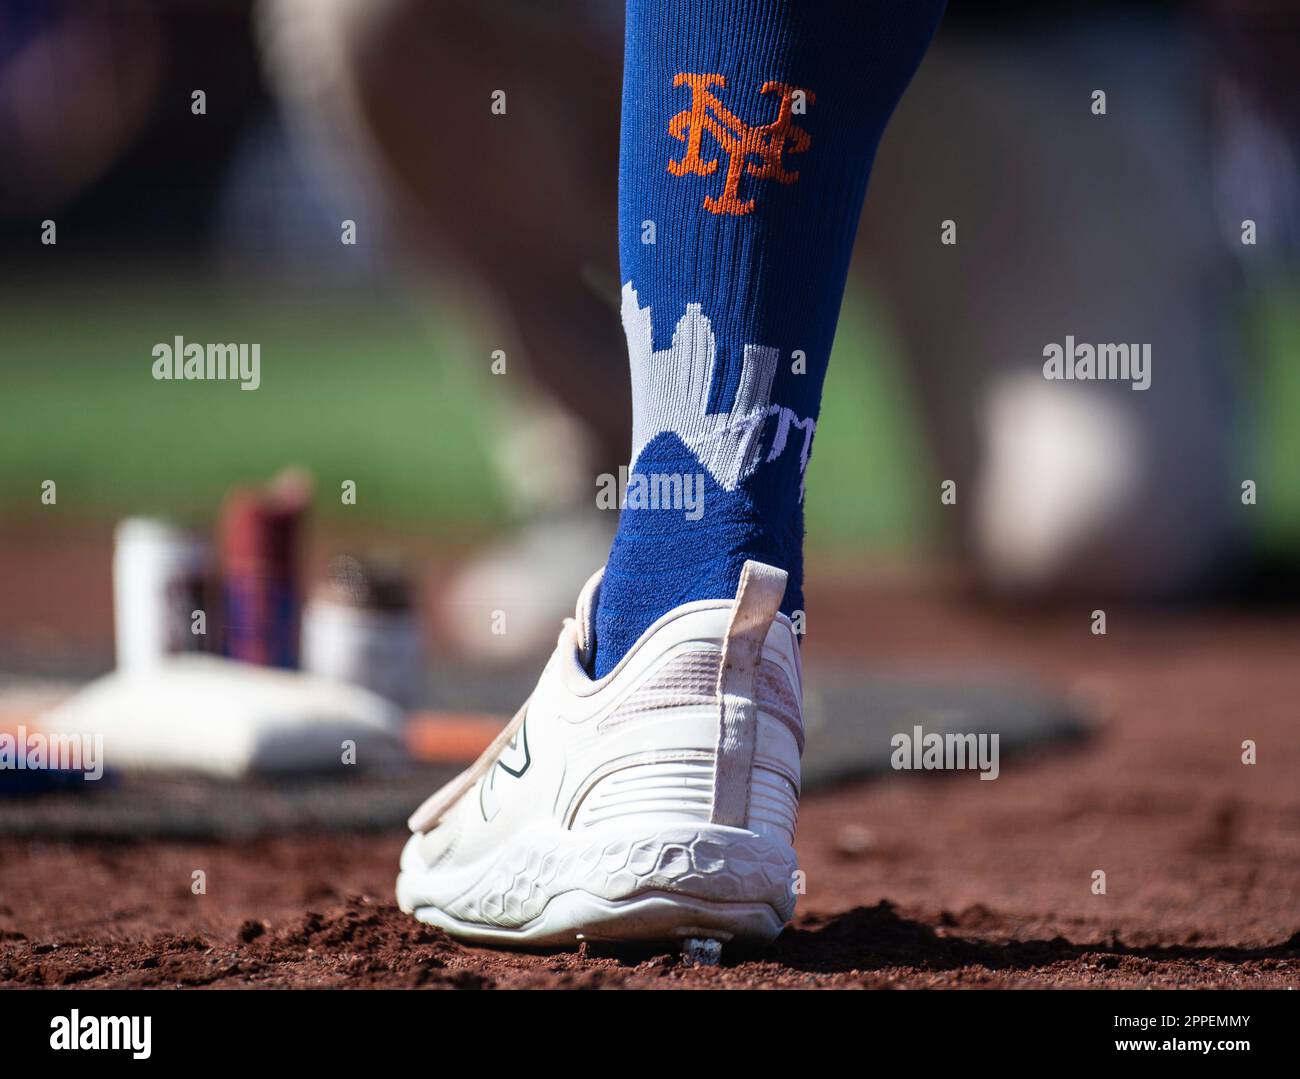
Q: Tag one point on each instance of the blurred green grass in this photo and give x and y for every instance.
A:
(1274, 404)
(376, 391)
(368, 392)
(393, 396)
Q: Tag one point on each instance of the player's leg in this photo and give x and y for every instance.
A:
(648, 789)
(749, 129)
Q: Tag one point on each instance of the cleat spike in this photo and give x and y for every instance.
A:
(701, 951)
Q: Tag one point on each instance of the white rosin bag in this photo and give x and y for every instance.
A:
(196, 713)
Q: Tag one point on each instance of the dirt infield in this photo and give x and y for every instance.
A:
(916, 880)
(318, 912)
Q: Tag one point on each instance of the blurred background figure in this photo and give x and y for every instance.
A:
(405, 87)
(1099, 225)
(1105, 228)
(472, 324)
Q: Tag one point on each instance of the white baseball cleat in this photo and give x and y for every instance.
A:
(656, 804)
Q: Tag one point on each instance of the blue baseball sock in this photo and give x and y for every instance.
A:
(749, 128)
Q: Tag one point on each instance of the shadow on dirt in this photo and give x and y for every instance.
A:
(872, 938)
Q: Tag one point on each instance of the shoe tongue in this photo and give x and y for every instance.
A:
(585, 615)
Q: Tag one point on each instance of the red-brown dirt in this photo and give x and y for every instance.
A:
(914, 880)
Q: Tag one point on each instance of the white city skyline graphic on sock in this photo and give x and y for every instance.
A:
(670, 393)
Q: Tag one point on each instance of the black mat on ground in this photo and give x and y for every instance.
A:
(851, 718)
(851, 721)
(196, 807)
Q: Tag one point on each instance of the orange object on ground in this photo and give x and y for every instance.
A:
(450, 737)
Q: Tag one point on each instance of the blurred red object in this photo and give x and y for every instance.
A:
(259, 538)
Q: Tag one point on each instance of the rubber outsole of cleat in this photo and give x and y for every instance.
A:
(578, 916)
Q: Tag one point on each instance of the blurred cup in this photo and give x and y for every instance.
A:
(161, 575)
(359, 627)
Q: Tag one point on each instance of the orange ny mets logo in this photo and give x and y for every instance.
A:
(756, 151)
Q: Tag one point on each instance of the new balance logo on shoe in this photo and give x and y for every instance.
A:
(514, 761)
(515, 758)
